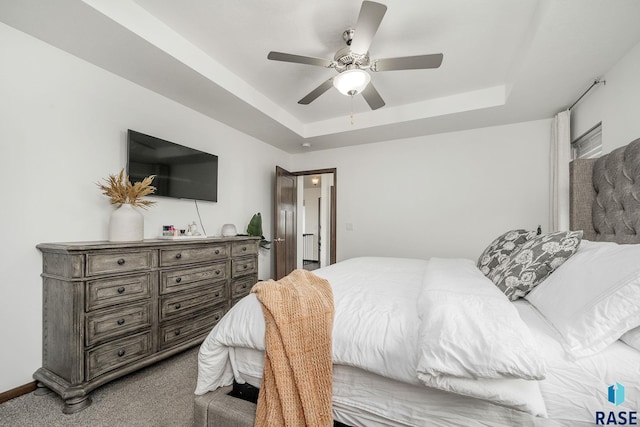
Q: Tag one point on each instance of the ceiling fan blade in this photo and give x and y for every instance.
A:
(317, 92)
(408, 62)
(298, 59)
(372, 97)
(369, 20)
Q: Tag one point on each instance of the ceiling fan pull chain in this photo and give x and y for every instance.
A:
(351, 109)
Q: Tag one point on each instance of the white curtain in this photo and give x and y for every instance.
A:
(560, 156)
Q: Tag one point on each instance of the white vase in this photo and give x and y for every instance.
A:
(126, 224)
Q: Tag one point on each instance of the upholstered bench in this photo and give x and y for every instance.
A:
(218, 409)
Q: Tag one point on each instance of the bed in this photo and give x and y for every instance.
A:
(415, 341)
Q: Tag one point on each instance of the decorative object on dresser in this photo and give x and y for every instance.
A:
(126, 223)
(229, 230)
(112, 308)
(255, 229)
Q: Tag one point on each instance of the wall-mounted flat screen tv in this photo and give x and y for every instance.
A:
(181, 172)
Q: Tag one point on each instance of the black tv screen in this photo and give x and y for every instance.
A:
(180, 171)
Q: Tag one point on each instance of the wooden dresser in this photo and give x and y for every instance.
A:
(112, 308)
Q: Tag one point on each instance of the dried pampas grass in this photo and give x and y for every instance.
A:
(119, 190)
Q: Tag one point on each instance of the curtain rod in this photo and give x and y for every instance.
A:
(595, 83)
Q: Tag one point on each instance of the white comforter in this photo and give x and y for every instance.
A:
(388, 321)
(470, 330)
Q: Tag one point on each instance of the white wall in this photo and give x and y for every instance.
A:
(443, 195)
(63, 128)
(616, 104)
(311, 217)
(326, 183)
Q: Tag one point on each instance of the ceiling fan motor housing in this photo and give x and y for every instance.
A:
(346, 59)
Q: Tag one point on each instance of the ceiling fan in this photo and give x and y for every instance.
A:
(351, 62)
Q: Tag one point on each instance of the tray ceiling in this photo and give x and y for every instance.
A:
(505, 61)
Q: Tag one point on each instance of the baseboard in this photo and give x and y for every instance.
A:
(17, 392)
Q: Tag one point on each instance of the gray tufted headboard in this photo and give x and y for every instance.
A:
(605, 195)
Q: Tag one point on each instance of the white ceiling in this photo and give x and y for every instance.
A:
(505, 61)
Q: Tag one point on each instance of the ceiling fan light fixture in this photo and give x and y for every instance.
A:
(351, 82)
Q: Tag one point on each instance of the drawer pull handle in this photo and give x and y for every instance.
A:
(244, 248)
(121, 352)
(121, 290)
(245, 266)
(217, 272)
(120, 322)
(121, 261)
(217, 294)
(217, 317)
(177, 332)
(178, 279)
(178, 256)
(217, 252)
(177, 306)
(244, 286)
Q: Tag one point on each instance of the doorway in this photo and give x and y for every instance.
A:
(315, 225)
(305, 225)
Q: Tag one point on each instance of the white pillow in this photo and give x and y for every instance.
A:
(632, 338)
(594, 297)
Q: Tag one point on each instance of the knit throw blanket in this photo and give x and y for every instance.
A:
(297, 381)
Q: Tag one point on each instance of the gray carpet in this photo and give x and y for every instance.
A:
(160, 395)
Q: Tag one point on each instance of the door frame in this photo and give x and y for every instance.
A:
(280, 243)
(333, 214)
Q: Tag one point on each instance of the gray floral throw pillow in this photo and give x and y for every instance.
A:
(535, 261)
(500, 250)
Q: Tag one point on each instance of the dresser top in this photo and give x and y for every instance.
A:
(104, 244)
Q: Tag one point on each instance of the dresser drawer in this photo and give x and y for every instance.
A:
(189, 255)
(189, 278)
(116, 290)
(241, 287)
(244, 248)
(118, 262)
(115, 354)
(183, 303)
(108, 324)
(244, 266)
(174, 333)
